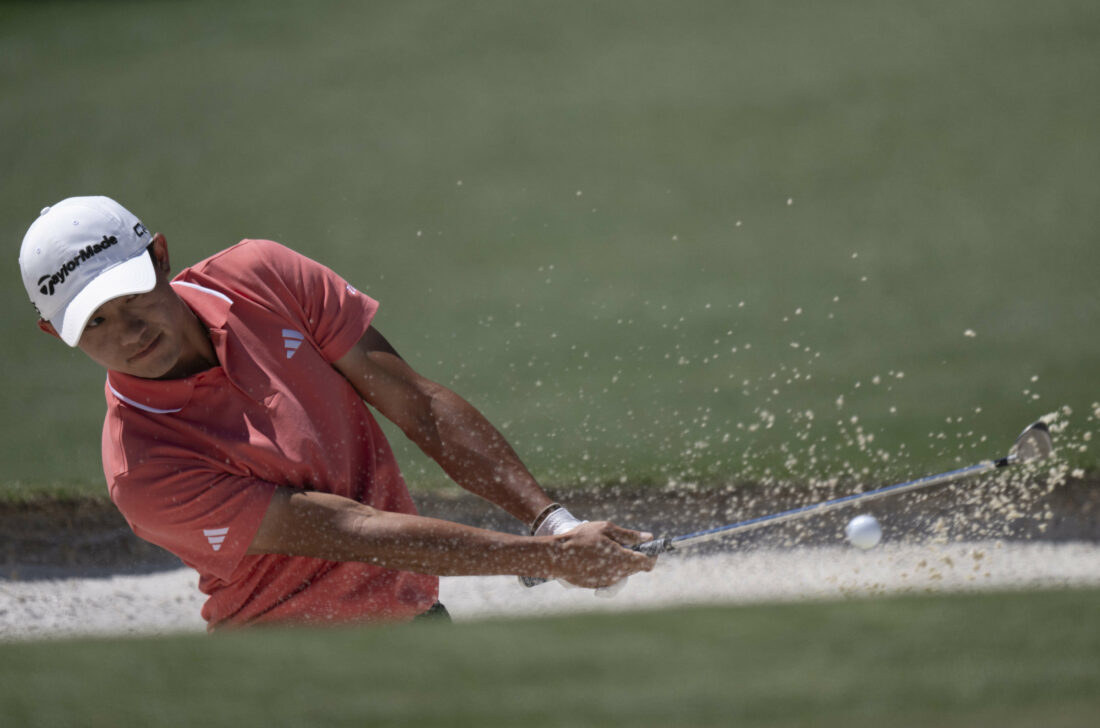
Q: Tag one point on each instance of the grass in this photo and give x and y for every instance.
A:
(573, 215)
(1004, 659)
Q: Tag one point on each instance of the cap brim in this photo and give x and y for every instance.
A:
(135, 275)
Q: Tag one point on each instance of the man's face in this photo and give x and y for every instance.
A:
(143, 334)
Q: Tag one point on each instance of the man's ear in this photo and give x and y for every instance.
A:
(160, 253)
(46, 326)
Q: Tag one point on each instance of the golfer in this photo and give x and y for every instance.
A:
(238, 436)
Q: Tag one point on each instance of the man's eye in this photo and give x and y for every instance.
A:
(92, 323)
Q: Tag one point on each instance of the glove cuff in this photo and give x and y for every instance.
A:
(554, 520)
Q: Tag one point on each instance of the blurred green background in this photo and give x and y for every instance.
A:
(654, 242)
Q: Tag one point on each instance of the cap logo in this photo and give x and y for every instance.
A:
(49, 282)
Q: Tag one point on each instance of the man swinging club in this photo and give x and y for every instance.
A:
(238, 435)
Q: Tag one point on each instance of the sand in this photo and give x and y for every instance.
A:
(46, 605)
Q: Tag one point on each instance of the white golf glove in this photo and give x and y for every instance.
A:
(560, 521)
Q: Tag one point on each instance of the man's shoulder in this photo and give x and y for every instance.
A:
(252, 265)
(248, 253)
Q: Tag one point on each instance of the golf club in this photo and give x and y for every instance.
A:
(1034, 443)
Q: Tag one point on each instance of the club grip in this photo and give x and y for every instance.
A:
(649, 548)
(655, 547)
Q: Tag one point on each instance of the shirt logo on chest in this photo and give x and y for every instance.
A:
(292, 340)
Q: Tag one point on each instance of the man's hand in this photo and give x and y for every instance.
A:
(598, 554)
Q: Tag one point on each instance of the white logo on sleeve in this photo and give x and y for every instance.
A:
(216, 536)
(292, 340)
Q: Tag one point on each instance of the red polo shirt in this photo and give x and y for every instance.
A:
(192, 463)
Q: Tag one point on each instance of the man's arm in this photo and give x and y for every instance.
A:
(446, 427)
(327, 526)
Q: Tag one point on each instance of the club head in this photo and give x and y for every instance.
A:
(1034, 443)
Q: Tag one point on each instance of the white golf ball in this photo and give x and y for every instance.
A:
(863, 532)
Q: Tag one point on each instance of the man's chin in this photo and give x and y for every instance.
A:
(155, 367)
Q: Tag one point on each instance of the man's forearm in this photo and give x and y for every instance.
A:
(446, 427)
(331, 527)
(432, 546)
(326, 526)
(476, 456)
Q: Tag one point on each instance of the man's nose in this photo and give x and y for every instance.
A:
(133, 328)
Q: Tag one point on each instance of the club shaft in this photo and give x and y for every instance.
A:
(815, 509)
(1034, 443)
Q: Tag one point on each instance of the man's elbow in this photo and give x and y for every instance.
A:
(307, 523)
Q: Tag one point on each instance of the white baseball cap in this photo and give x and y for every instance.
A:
(79, 254)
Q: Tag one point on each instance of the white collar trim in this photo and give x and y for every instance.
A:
(204, 289)
(140, 406)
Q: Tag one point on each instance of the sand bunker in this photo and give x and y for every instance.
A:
(168, 602)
